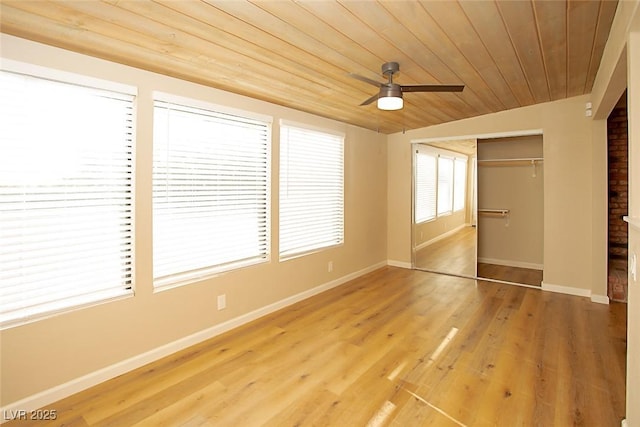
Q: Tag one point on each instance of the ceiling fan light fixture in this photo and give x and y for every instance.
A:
(390, 97)
(390, 103)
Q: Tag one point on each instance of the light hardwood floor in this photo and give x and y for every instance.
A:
(455, 254)
(526, 276)
(395, 347)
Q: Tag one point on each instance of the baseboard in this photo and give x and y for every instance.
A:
(61, 391)
(566, 290)
(600, 299)
(440, 237)
(400, 264)
(510, 263)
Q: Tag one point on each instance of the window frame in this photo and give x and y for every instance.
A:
(431, 197)
(340, 238)
(182, 278)
(449, 209)
(437, 153)
(464, 161)
(126, 289)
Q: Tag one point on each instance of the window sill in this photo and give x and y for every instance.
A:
(182, 279)
(71, 305)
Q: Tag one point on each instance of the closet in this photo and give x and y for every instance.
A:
(510, 209)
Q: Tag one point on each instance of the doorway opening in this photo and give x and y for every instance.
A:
(618, 201)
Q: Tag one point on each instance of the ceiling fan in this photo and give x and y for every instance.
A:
(390, 94)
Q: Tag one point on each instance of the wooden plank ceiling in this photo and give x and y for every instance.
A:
(299, 53)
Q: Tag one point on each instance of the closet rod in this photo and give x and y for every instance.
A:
(502, 212)
(523, 159)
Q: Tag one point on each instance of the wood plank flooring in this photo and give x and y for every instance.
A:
(455, 254)
(396, 348)
(525, 276)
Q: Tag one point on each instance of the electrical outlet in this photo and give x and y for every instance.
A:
(330, 266)
(222, 302)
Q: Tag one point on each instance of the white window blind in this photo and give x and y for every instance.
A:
(459, 184)
(311, 190)
(210, 192)
(445, 185)
(425, 183)
(65, 196)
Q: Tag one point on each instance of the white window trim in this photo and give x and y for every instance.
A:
(207, 105)
(291, 123)
(185, 278)
(465, 161)
(448, 212)
(433, 156)
(67, 77)
(334, 132)
(91, 83)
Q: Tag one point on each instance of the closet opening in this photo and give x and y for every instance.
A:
(511, 209)
(478, 207)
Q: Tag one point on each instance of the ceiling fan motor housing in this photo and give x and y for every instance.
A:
(390, 68)
(390, 90)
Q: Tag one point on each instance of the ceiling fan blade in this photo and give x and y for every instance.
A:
(365, 79)
(432, 88)
(370, 100)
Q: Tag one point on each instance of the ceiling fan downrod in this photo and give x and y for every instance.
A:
(390, 68)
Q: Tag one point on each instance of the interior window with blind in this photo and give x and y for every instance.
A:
(65, 196)
(440, 183)
(210, 192)
(311, 190)
(425, 187)
(445, 185)
(459, 184)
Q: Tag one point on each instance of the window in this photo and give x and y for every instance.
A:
(311, 190)
(65, 196)
(210, 192)
(445, 185)
(440, 183)
(425, 192)
(459, 184)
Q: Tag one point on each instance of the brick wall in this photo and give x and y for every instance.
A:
(618, 159)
